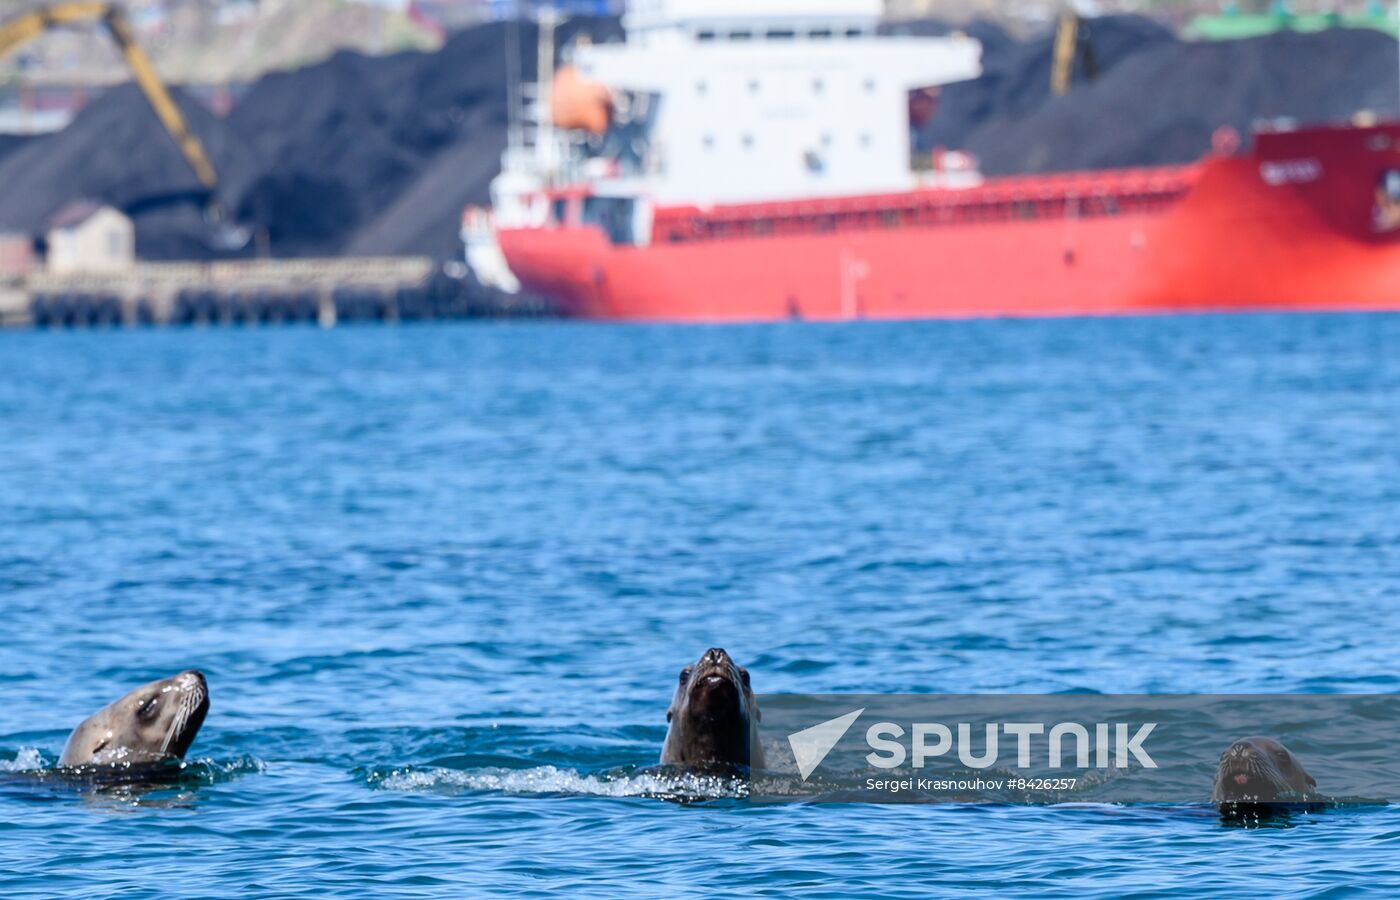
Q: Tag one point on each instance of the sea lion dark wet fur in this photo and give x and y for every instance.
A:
(1260, 770)
(154, 723)
(713, 716)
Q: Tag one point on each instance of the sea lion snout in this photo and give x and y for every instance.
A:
(191, 678)
(716, 656)
(1241, 752)
(717, 664)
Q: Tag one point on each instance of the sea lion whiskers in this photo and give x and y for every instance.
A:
(1243, 766)
(189, 702)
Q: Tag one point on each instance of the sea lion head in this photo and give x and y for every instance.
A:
(1260, 770)
(713, 716)
(155, 722)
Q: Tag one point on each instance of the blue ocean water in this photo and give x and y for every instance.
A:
(441, 580)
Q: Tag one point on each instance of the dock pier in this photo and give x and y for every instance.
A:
(326, 292)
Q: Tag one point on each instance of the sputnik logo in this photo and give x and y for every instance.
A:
(811, 745)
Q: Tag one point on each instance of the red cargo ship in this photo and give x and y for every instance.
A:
(1301, 219)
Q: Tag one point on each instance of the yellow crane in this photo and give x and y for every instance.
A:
(1074, 48)
(31, 25)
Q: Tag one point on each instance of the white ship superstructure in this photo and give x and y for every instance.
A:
(720, 101)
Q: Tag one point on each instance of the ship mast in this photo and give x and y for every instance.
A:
(546, 152)
(530, 132)
(513, 128)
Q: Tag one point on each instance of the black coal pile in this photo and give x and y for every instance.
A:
(1015, 78)
(12, 142)
(116, 152)
(426, 217)
(1158, 100)
(996, 43)
(380, 155)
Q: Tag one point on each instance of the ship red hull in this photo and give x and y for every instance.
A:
(1300, 222)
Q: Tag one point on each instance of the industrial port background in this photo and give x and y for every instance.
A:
(358, 131)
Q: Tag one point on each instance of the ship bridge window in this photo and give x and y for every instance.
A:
(855, 32)
(559, 211)
(614, 215)
(781, 34)
(740, 35)
(704, 35)
(820, 34)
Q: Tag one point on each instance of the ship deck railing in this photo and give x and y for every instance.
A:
(1126, 192)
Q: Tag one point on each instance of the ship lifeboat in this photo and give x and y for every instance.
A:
(579, 104)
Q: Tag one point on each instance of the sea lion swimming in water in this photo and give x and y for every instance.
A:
(713, 716)
(1260, 771)
(154, 723)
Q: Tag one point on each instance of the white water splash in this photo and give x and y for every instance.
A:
(552, 780)
(27, 760)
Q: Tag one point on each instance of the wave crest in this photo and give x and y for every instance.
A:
(27, 759)
(551, 780)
